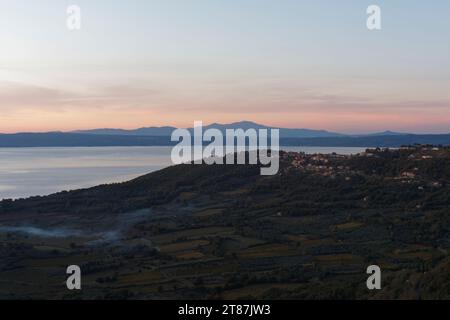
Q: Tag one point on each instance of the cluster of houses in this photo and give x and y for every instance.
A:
(325, 164)
(318, 163)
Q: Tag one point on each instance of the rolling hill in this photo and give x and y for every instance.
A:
(226, 232)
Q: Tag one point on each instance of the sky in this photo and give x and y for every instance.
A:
(286, 63)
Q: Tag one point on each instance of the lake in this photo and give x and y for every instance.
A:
(26, 172)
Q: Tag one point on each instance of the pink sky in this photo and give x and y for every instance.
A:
(157, 63)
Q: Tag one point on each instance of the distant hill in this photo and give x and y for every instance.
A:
(60, 139)
(167, 131)
(160, 136)
(386, 133)
(149, 131)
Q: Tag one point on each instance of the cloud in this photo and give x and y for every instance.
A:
(18, 97)
(31, 107)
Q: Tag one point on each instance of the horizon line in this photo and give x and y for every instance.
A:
(225, 124)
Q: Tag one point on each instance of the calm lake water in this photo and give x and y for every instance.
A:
(26, 172)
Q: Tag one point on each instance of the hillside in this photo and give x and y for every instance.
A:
(227, 232)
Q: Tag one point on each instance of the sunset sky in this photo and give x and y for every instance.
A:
(289, 63)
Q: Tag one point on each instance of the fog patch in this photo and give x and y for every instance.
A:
(108, 237)
(43, 233)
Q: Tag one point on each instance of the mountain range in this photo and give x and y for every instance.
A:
(160, 136)
(284, 132)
